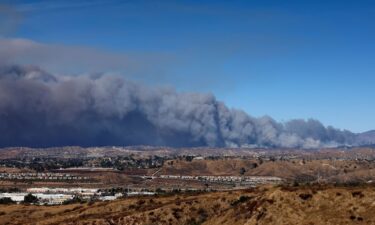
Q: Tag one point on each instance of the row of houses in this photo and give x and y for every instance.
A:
(231, 179)
(77, 191)
(49, 199)
(40, 176)
(57, 196)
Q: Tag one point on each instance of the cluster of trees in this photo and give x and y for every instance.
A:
(9, 190)
(28, 199)
(40, 164)
(6, 201)
(123, 162)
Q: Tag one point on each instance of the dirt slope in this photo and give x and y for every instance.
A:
(302, 205)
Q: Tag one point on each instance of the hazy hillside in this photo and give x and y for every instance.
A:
(366, 138)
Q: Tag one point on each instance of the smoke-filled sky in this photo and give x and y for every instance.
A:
(40, 109)
(285, 59)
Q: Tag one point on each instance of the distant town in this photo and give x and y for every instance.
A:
(72, 174)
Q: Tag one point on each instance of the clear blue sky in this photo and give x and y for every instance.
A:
(286, 59)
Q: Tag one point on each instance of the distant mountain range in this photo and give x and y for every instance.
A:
(366, 138)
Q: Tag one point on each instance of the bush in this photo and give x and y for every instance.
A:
(75, 199)
(141, 202)
(305, 196)
(30, 199)
(202, 214)
(47, 214)
(6, 201)
(358, 194)
(160, 191)
(242, 171)
(242, 199)
(192, 221)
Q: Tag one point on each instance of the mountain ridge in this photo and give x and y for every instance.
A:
(366, 138)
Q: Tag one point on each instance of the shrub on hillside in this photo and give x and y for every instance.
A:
(30, 199)
(305, 196)
(6, 201)
(241, 199)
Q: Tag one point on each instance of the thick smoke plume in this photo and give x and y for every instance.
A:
(39, 109)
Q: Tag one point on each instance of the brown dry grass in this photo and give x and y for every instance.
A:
(266, 205)
(327, 170)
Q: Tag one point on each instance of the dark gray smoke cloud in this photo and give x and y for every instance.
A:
(39, 109)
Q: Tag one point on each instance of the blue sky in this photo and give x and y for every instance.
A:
(286, 59)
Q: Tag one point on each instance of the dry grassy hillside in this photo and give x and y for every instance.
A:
(266, 205)
(207, 167)
(324, 170)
